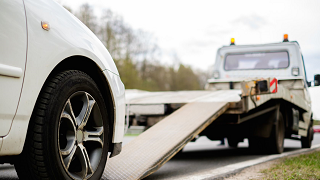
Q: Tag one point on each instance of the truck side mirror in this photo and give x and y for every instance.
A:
(309, 84)
(317, 80)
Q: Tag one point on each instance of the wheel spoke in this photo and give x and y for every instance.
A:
(94, 135)
(85, 162)
(88, 103)
(68, 113)
(67, 160)
(68, 149)
(68, 134)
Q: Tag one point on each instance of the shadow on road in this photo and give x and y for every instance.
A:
(191, 162)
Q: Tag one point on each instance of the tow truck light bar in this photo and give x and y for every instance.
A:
(285, 38)
(232, 41)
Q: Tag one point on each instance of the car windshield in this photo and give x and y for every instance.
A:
(262, 60)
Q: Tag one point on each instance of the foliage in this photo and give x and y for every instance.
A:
(136, 55)
(316, 122)
(305, 166)
(87, 16)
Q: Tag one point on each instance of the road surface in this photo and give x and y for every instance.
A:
(207, 155)
(200, 155)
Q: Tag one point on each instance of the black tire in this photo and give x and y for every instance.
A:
(233, 142)
(69, 109)
(273, 144)
(276, 139)
(306, 142)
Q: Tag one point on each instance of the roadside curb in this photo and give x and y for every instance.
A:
(232, 169)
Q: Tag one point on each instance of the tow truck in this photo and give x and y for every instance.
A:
(259, 92)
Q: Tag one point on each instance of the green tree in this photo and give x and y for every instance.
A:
(136, 55)
(87, 17)
(186, 79)
(129, 74)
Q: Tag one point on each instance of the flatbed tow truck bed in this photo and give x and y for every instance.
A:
(154, 147)
(157, 145)
(242, 100)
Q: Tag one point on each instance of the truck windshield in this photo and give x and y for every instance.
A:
(262, 60)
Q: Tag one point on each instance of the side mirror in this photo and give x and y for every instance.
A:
(309, 84)
(317, 80)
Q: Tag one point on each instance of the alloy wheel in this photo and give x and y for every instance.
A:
(80, 135)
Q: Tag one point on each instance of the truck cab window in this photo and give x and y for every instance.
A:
(261, 60)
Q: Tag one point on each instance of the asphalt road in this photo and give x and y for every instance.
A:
(200, 155)
(207, 155)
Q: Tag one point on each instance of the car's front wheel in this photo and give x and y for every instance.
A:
(68, 131)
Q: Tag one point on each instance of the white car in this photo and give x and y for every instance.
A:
(62, 101)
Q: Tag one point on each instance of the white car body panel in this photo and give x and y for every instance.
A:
(12, 63)
(118, 94)
(67, 37)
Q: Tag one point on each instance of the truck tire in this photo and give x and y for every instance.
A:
(306, 142)
(233, 142)
(68, 132)
(276, 139)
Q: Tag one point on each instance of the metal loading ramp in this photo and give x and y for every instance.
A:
(154, 147)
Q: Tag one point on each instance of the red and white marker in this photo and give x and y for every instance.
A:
(274, 85)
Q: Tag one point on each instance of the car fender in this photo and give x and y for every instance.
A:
(67, 37)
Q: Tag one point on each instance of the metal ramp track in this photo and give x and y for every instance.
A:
(154, 147)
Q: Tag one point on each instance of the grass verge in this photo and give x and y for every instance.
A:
(306, 166)
(131, 135)
(316, 122)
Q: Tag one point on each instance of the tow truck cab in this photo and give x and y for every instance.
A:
(237, 63)
(284, 61)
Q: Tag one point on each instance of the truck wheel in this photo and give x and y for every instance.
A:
(68, 132)
(306, 142)
(233, 142)
(276, 138)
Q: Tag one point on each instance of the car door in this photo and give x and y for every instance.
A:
(13, 51)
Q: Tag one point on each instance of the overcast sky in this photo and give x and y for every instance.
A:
(194, 30)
